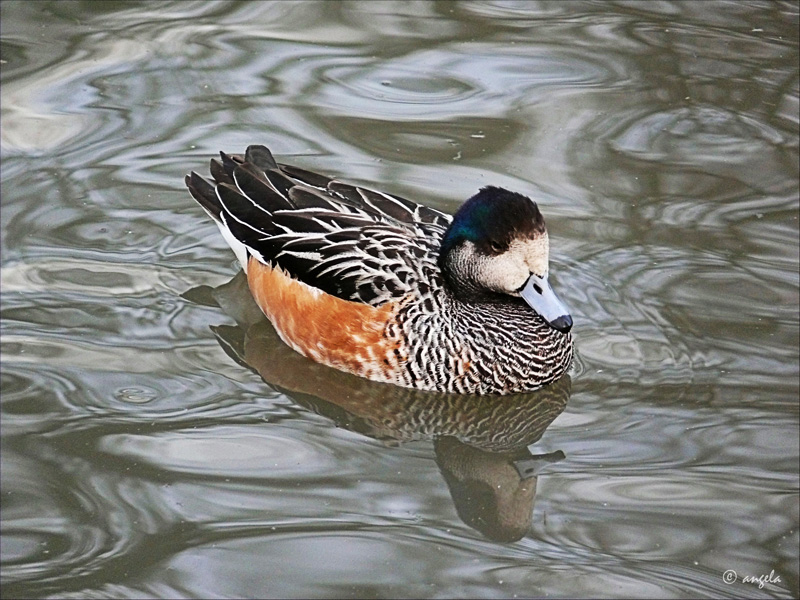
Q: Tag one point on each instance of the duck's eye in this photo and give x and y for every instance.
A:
(497, 247)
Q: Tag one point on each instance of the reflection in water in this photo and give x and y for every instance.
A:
(481, 442)
(494, 491)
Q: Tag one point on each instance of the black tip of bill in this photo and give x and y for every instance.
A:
(562, 323)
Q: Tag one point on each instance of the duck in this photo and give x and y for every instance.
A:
(391, 290)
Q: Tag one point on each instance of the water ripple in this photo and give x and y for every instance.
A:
(223, 452)
(476, 74)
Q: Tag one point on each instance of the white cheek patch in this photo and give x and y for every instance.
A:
(506, 272)
(537, 254)
(503, 273)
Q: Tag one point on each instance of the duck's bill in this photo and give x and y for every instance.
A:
(541, 298)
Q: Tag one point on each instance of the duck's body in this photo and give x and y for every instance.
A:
(391, 290)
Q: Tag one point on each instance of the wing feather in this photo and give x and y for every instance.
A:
(352, 242)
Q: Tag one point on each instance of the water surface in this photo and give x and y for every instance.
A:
(157, 440)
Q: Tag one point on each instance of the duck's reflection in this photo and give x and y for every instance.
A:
(481, 442)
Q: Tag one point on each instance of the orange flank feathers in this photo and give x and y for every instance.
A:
(349, 336)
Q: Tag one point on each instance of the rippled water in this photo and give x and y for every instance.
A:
(158, 440)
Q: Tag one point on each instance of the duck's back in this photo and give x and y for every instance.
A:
(353, 243)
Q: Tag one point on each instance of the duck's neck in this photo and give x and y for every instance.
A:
(519, 349)
(469, 294)
(464, 289)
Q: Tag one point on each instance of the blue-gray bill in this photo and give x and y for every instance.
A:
(541, 298)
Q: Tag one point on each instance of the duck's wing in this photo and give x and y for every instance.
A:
(351, 242)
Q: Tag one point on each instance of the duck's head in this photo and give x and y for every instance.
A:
(498, 244)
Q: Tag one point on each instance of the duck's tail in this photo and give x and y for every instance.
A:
(209, 196)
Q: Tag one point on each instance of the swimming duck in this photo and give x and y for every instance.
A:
(391, 290)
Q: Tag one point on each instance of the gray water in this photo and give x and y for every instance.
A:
(159, 441)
